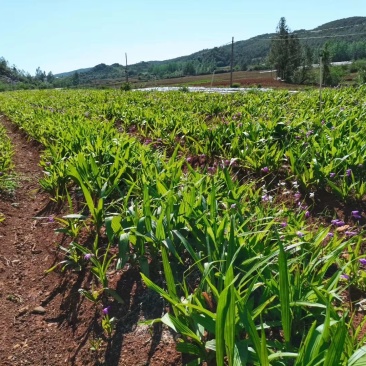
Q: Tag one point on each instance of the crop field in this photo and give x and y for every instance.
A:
(264, 79)
(256, 79)
(251, 206)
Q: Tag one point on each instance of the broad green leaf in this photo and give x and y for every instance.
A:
(179, 327)
(284, 294)
(358, 358)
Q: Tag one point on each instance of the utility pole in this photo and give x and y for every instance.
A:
(126, 69)
(212, 79)
(232, 62)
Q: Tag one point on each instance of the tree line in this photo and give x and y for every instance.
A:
(13, 78)
(294, 61)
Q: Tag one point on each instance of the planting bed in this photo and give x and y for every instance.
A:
(229, 228)
(64, 331)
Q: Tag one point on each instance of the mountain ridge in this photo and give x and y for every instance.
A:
(247, 52)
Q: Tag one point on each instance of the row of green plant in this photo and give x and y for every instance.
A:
(216, 190)
(284, 132)
(7, 182)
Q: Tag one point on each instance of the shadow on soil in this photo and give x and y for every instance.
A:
(137, 301)
(70, 309)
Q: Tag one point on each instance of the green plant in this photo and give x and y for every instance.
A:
(92, 295)
(336, 75)
(72, 259)
(223, 192)
(184, 89)
(96, 344)
(71, 224)
(108, 323)
(126, 86)
(236, 85)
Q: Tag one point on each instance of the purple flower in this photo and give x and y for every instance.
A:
(363, 261)
(51, 219)
(88, 256)
(344, 277)
(310, 132)
(300, 234)
(349, 172)
(331, 235)
(323, 122)
(297, 196)
(106, 310)
(337, 222)
(356, 215)
(307, 214)
(350, 233)
(332, 175)
(267, 198)
(265, 169)
(283, 224)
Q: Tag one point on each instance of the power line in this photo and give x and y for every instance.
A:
(295, 33)
(325, 29)
(333, 36)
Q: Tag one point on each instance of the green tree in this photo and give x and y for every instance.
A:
(40, 75)
(303, 74)
(285, 52)
(50, 77)
(75, 78)
(326, 59)
(189, 69)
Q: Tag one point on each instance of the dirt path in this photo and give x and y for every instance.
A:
(43, 318)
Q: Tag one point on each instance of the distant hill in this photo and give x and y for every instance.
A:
(70, 73)
(345, 36)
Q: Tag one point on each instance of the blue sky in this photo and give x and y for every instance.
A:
(65, 35)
